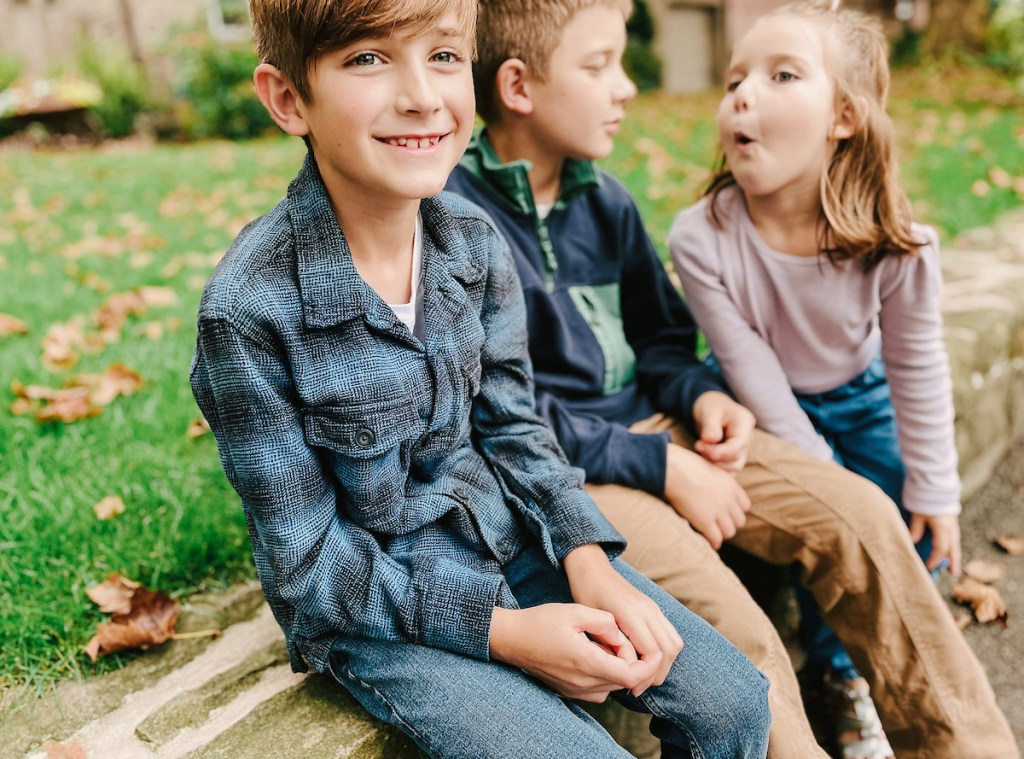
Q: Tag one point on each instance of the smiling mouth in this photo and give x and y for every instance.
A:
(413, 142)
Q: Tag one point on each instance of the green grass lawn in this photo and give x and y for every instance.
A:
(77, 227)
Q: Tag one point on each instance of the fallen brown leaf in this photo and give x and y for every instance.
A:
(963, 619)
(1012, 544)
(64, 750)
(109, 507)
(985, 570)
(1000, 177)
(158, 296)
(197, 428)
(71, 405)
(985, 600)
(22, 406)
(60, 346)
(114, 595)
(117, 379)
(980, 188)
(150, 622)
(11, 325)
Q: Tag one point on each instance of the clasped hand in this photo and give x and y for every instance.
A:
(613, 638)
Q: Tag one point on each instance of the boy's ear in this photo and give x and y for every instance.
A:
(847, 121)
(280, 99)
(513, 86)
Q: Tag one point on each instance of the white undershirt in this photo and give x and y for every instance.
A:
(406, 312)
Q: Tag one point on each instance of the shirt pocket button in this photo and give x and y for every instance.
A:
(364, 437)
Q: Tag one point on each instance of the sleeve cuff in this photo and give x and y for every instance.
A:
(456, 606)
(641, 461)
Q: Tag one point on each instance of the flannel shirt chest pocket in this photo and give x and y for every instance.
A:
(368, 446)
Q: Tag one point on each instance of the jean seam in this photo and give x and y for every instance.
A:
(655, 710)
(399, 720)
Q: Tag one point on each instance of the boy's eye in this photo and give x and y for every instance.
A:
(447, 56)
(731, 86)
(363, 59)
(785, 76)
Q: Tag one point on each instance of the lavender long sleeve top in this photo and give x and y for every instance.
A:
(779, 323)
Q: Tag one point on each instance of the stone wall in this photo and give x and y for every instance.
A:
(983, 307)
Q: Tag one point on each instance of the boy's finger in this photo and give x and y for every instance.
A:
(645, 670)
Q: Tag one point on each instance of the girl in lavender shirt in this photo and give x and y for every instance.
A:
(819, 296)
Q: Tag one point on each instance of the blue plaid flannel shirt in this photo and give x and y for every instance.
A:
(384, 479)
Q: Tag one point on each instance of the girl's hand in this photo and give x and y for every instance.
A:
(726, 429)
(945, 539)
(595, 584)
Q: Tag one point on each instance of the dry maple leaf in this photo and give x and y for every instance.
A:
(117, 379)
(158, 296)
(985, 600)
(116, 309)
(197, 428)
(10, 325)
(985, 570)
(1000, 177)
(60, 346)
(70, 405)
(114, 595)
(109, 508)
(22, 406)
(980, 188)
(1012, 544)
(64, 750)
(150, 622)
(962, 620)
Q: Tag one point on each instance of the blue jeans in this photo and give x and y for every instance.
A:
(714, 704)
(858, 422)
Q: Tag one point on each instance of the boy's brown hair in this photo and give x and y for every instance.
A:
(865, 214)
(525, 29)
(293, 35)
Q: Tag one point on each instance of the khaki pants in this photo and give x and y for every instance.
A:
(856, 557)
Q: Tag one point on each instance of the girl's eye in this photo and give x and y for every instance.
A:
(364, 59)
(785, 76)
(731, 86)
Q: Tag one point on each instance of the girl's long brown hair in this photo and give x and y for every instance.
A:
(865, 215)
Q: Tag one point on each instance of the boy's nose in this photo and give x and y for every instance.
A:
(417, 93)
(625, 90)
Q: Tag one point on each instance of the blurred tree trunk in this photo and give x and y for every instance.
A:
(128, 23)
(956, 22)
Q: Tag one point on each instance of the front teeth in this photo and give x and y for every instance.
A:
(407, 142)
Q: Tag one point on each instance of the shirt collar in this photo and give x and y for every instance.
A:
(329, 285)
(510, 181)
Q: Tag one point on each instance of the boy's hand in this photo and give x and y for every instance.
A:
(705, 495)
(726, 429)
(578, 651)
(945, 539)
(595, 583)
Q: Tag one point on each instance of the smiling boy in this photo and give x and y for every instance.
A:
(361, 359)
(613, 350)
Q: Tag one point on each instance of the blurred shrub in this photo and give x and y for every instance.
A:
(216, 97)
(10, 69)
(643, 65)
(1005, 42)
(123, 85)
